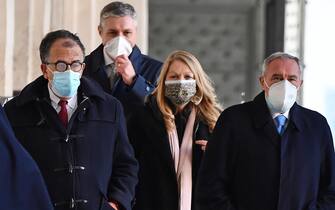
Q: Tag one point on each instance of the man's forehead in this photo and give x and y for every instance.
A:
(280, 65)
(65, 48)
(64, 42)
(283, 62)
(118, 23)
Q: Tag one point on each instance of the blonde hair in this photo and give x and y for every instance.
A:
(205, 100)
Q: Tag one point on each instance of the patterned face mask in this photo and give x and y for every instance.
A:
(180, 91)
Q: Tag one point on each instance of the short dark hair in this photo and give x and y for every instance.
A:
(117, 9)
(51, 37)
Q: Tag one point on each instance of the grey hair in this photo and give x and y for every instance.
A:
(117, 9)
(280, 55)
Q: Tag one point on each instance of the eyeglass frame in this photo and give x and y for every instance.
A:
(68, 65)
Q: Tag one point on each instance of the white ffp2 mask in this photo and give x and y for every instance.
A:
(118, 46)
(282, 96)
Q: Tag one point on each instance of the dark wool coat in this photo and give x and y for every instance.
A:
(147, 70)
(86, 164)
(157, 188)
(249, 166)
(21, 183)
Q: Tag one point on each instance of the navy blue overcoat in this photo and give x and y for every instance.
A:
(21, 183)
(249, 166)
(86, 164)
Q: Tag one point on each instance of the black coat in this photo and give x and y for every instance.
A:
(21, 183)
(249, 166)
(157, 188)
(147, 70)
(87, 164)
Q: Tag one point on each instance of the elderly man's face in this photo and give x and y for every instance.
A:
(278, 70)
(65, 50)
(118, 26)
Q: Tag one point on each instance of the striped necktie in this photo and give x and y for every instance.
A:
(111, 74)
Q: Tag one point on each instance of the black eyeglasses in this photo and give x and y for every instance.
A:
(63, 66)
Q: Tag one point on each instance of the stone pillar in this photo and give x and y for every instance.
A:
(142, 10)
(3, 26)
(22, 44)
(7, 51)
(37, 32)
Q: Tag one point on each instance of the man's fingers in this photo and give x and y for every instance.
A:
(201, 142)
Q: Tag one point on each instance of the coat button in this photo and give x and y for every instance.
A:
(147, 88)
(67, 138)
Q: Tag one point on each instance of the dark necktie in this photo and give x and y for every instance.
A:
(280, 120)
(63, 112)
(111, 74)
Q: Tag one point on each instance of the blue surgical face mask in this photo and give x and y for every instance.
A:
(65, 84)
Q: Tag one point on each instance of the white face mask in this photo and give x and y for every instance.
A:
(118, 46)
(282, 96)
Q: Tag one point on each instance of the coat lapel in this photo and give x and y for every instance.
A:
(263, 120)
(95, 68)
(295, 118)
(162, 142)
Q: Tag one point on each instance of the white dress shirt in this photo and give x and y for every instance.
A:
(275, 114)
(71, 106)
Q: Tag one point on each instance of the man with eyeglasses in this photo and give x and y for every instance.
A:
(74, 131)
(117, 64)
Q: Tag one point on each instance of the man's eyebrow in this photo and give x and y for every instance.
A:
(276, 75)
(293, 76)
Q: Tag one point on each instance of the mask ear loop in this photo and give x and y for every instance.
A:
(266, 84)
(298, 88)
(196, 99)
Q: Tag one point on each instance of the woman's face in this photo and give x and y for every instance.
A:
(178, 70)
(180, 85)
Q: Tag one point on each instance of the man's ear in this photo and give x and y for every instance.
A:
(261, 82)
(100, 29)
(44, 70)
(302, 81)
(83, 69)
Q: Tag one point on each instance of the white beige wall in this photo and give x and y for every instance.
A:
(23, 23)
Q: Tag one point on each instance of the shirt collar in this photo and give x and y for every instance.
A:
(275, 114)
(71, 102)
